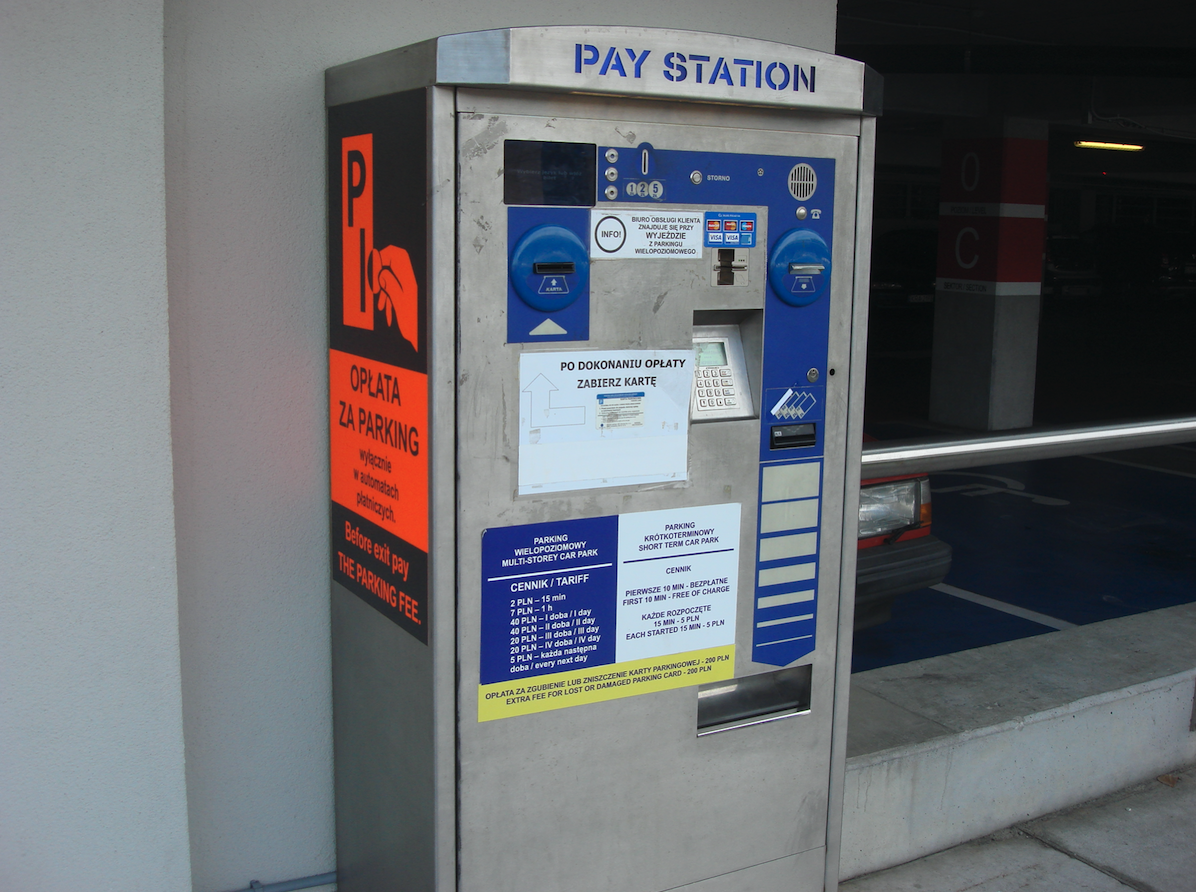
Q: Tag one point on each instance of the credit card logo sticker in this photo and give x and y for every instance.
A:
(794, 405)
(731, 228)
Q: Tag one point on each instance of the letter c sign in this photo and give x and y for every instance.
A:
(967, 230)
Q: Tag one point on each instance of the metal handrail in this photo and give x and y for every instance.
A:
(912, 456)
(311, 882)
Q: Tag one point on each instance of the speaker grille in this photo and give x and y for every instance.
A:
(802, 182)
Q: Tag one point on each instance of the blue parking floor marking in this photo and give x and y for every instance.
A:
(1013, 610)
(928, 624)
(1070, 538)
(1067, 541)
(1165, 459)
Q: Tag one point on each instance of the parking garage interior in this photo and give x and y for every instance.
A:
(1019, 683)
(1116, 312)
(1073, 577)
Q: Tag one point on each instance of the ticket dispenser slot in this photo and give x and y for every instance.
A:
(753, 700)
(792, 436)
(588, 490)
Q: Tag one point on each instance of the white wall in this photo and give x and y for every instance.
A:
(245, 204)
(92, 793)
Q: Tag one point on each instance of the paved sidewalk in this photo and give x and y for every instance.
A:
(1142, 839)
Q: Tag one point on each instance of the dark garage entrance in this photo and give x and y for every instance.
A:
(1111, 535)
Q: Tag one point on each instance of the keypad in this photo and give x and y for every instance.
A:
(715, 388)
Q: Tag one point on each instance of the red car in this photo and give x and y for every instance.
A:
(897, 552)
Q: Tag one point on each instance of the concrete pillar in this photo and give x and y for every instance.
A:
(992, 229)
(92, 783)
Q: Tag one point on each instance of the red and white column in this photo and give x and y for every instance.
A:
(992, 230)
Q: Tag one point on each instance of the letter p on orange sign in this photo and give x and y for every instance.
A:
(357, 228)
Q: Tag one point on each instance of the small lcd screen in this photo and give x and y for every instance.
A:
(711, 353)
(555, 173)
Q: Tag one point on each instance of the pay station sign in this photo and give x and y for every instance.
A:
(645, 235)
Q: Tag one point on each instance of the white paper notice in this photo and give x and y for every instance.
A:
(645, 234)
(597, 418)
(678, 576)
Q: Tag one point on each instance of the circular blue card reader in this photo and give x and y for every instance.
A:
(799, 269)
(550, 268)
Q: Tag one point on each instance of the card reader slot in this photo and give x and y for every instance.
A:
(731, 266)
(753, 699)
(557, 268)
(791, 436)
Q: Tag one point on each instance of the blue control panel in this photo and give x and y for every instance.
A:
(549, 300)
(548, 286)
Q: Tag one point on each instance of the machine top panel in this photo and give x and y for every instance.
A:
(641, 62)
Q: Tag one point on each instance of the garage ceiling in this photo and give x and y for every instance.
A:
(1089, 69)
(1101, 23)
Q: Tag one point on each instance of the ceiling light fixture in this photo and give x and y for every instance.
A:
(1108, 146)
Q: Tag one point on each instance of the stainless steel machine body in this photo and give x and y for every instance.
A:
(596, 373)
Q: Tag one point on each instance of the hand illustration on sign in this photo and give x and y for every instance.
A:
(392, 280)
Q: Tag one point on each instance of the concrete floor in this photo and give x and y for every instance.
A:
(917, 701)
(1142, 838)
(956, 747)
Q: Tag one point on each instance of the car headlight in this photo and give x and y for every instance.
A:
(890, 507)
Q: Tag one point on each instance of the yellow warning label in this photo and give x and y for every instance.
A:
(597, 683)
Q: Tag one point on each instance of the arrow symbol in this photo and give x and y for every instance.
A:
(543, 414)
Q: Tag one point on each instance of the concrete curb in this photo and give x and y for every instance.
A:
(908, 801)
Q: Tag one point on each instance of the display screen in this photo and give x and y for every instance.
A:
(711, 353)
(549, 173)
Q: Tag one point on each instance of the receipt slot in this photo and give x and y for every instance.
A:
(597, 300)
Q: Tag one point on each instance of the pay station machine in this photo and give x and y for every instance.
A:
(595, 418)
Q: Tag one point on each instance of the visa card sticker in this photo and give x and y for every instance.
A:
(724, 228)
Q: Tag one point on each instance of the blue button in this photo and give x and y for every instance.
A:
(799, 269)
(550, 267)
